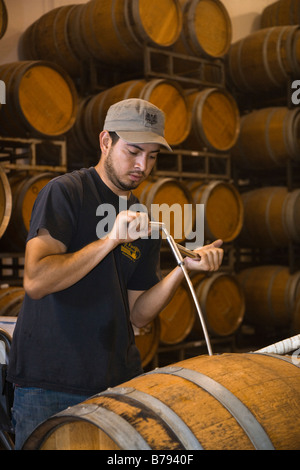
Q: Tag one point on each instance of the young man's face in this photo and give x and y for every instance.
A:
(127, 165)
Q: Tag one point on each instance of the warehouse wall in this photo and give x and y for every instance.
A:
(244, 15)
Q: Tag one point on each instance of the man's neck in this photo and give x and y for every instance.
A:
(102, 173)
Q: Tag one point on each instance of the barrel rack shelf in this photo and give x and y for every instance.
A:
(248, 257)
(21, 154)
(11, 268)
(280, 97)
(193, 164)
(189, 71)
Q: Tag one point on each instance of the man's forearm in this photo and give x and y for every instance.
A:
(55, 272)
(151, 302)
(49, 269)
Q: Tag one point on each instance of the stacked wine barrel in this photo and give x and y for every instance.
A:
(261, 69)
(47, 98)
(78, 60)
(3, 18)
(113, 35)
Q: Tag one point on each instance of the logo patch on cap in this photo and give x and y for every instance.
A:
(150, 119)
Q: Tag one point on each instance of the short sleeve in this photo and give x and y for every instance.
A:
(147, 273)
(56, 209)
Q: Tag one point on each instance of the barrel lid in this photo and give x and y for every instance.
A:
(5, 202)
(3, 18)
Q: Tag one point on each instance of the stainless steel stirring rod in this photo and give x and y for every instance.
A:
(180, 261)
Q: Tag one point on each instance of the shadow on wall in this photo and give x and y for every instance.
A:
(248, 22)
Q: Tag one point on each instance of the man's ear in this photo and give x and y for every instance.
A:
(105, 142)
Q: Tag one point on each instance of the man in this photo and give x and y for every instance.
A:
(74, 336)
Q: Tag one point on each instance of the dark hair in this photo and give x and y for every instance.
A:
(114, 137)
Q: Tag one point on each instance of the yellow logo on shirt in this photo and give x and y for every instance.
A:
(132, 252)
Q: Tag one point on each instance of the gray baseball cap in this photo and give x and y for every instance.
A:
(137, 121)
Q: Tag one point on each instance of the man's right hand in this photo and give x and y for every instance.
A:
(130, 226)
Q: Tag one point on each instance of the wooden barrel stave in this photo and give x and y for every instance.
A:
(265, 59)
(25, 189)
(129, 26)
(223, 400)
(215, 120)
(3, 19)
(268, 138)
(11, 299)
(177, 319)
(9, 124)
(282, 12)
(114, 33)
(171, 195)
(206, 29)
(270, 217)
(270, 295)
(222, 303)
(147, 340)
(224, 212)
(41, 97)
(5, 202)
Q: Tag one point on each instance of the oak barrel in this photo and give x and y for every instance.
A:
(41, 99)
(50, 38)
(3, 18)
(111, 31)
(223, 212)
(165, 94)
(271, 217)
(281, 12)
(206, 29)
(147, 340)
(168, 200)
(178, 317)
(218, 402)
(116, 31)
(265, 59)
(270, 293)
(222, 303)
(11, 299)
(215, 119)
(268, 138)
(5, 202)
(25, 189)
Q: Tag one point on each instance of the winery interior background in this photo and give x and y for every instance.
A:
(208, 172)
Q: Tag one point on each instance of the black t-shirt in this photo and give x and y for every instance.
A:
(80, 340)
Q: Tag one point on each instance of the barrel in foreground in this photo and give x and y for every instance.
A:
(225, 402)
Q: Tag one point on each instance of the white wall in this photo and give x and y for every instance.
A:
(245, 15)
(21, 13)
